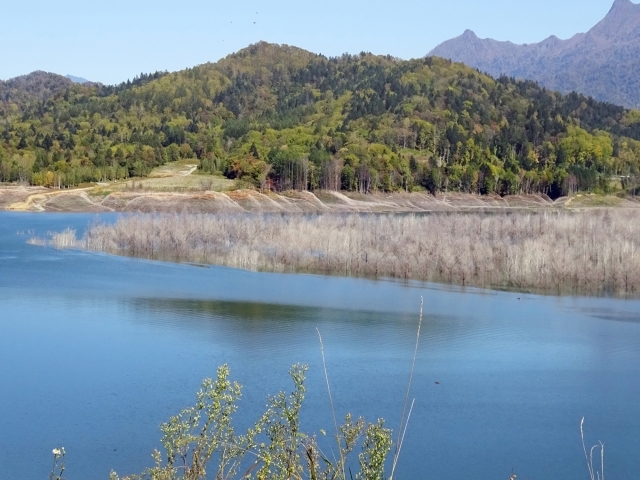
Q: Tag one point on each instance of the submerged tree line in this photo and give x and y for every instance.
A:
(595, 252)
(280, 118)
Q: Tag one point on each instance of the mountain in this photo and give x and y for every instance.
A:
(603, 63)
(37, 85)
(75, 79)
(282, 118)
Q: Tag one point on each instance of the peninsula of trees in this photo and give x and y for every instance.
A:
(555, 252)
(281, 118)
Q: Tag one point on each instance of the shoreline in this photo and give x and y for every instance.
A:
(94, 200)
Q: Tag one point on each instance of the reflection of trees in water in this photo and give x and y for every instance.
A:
(250, 311)
(240, 319)
(256, 311)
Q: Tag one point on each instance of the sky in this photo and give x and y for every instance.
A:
(111, 41)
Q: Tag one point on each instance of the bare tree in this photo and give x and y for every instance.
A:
(597, 251)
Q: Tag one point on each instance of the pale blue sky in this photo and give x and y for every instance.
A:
(112, 40)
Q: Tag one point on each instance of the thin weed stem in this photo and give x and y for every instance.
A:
(593, 474)
(333, 412)
(602, 459)
(406, 397)
(584, 449)
(395, 460)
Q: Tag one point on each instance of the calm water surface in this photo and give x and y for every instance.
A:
(96, 351)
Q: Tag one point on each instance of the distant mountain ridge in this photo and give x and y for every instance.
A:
(75, 79)
(603, 63)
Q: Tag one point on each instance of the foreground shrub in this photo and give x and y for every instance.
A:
(201, 441)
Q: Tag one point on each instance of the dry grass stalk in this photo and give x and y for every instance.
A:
(65, 239)
(401, 431)
(333, 411)
(594, 474)
(61, 240)
(586, 252)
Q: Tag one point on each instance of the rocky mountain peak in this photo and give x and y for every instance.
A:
(603, 63)
(469, 34)
(621, 5)
(621, 21)
(622, 11)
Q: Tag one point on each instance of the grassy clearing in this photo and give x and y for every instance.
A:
(180, 176)
(586, 201)
(177, 168)
(189, 183)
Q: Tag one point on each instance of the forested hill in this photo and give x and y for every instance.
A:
(21, 91)
(283, 118)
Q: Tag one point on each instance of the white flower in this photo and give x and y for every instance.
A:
(56, 451)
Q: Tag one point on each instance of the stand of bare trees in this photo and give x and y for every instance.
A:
(556, 252)
(330, 174)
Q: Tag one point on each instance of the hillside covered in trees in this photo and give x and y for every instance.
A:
(280, 118)
(19, 92)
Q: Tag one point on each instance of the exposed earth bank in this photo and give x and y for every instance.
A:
(82, 200)
(20, 198)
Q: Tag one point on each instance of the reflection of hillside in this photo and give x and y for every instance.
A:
(611, 314)
(252, 312)
(271, 326)
(248, 311)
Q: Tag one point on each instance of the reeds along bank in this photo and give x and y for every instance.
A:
(588, 252)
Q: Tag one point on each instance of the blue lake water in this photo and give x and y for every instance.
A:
(96, 351)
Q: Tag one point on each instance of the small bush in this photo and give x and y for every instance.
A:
(201, 441)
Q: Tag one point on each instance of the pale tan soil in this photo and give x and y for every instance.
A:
(74, 202)
(38, 198)
(91, 200)
(10, 195)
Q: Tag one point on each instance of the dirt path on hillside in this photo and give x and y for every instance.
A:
(77, 199)
(37, 201)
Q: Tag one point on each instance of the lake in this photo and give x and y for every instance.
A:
(96, 351)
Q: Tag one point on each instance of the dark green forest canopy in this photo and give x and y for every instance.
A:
(283, 118)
